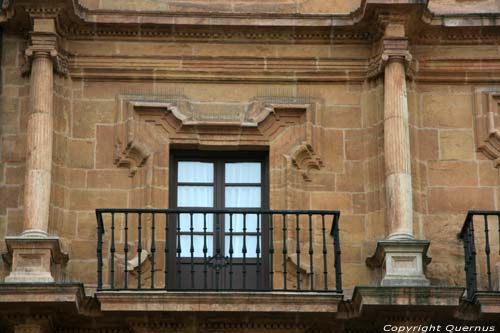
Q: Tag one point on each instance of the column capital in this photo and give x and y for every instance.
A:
(393, 44)
(43, 42)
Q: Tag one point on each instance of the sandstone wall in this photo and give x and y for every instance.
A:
(13, 122)
(449, 176)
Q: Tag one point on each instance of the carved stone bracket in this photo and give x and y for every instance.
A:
(305, 159)
(487, 122)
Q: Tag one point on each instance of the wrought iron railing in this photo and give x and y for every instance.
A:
(480, 260)
(218, 249)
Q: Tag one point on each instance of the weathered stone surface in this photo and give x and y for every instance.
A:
(92, 199)
(459, 200)
(87, 114)
(453, 174)
(446, 111)
(342, 117)
(331, 200)
(456, 145)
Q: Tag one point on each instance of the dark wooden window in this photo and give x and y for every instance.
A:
(222, 251)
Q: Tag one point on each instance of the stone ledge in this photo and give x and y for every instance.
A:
(44, 297)
(275, 302)
(488, 302)
(374, 299)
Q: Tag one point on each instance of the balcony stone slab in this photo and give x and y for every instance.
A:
(70, 298)
(367, 301)
(230, 302)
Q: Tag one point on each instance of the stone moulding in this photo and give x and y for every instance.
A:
(196, 68)
(377, 299)
(256, 302)
(487, 122)
(146, 126)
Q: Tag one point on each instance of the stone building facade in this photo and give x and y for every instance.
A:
(385, 111)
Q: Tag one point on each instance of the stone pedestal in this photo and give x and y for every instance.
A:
(35, 260)
(402, 262)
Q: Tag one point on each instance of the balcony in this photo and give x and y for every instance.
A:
(480, 235)
(219, 260)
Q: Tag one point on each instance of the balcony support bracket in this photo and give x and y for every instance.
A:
(401, 262)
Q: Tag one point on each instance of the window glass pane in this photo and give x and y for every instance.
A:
(197, 245)
(195, 172)
(251, 245)
(242, 196)
(245, 172)
(237, 222)
(195, 196)
(185, 224)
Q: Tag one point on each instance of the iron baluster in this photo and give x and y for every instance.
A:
(166, 250)
(139, 250)
(217, 252)
(153, 250)
(100, 230)
(231, 251)
(325, 252)
(112, 250)
(271, 250)
(178, 250)
(297, 248)
(257, 252)
(336, 244)
(244, 251)
(191, 248)
(125, 251)
(285, 254)
(311, 252)
(205, 250)
(487, 250)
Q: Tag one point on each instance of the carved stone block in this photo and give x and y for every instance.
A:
(33, 260)
(402, 262)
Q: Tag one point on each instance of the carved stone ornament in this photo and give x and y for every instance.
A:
(487, 122)
(305, 159)
(189, 123)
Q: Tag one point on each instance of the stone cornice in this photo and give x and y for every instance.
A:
(76, 21)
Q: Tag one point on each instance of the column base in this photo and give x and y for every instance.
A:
(402, 262)
(33, 259)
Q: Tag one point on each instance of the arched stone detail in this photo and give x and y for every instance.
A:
(305, 159)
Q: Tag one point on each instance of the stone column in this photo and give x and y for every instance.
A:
(401, 257)
(39, 147)
(34, 254)
(397, 151)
